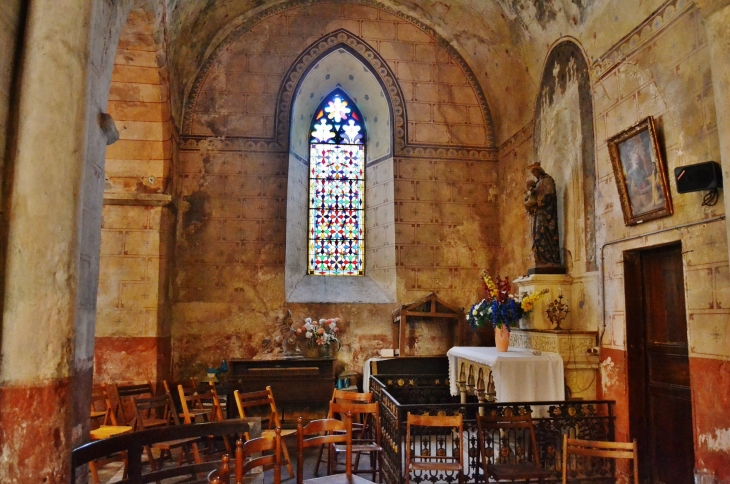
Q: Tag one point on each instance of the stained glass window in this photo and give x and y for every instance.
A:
(337, 188)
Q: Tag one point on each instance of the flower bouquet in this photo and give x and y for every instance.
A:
(499, 307)
(320, 333)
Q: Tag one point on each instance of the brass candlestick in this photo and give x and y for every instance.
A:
(557, 311)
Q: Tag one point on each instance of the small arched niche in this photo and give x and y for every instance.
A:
(564, 145)
(342, 68)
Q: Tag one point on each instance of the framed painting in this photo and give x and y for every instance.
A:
(640, 173)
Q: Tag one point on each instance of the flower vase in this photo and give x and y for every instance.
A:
(326, 351)
(311, 351)
(501, 338)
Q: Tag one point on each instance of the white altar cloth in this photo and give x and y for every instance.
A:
(518, 374)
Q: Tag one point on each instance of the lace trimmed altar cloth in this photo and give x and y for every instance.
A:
(518, 374)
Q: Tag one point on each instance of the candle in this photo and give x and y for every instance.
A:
(560, 291)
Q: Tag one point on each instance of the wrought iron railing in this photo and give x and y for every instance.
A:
(421, 394)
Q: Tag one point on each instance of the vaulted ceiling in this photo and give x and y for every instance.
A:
(505, 42)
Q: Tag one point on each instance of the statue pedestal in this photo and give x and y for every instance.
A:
(555, 284)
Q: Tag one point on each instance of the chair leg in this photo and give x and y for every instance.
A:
(94, 474)
(289, 468)
(319, 461)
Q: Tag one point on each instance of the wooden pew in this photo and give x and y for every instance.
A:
(134, 442)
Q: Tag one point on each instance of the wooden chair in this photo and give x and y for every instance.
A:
(162, 407)
(123, 402)
(262, 404)
(100, 406)
(431, 435)
(365, 440)
(509, 432)
(260, 452)
(593, 448)
(101, 411)
(342, 396)
(224, 392)
(202, 405)
(171, 389)
(199, 403)
(325, 432)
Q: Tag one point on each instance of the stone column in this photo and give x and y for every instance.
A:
(43, 226)
(717, 18)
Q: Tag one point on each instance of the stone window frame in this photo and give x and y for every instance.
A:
(301, 287)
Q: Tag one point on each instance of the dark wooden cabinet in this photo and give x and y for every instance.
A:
(296, 382)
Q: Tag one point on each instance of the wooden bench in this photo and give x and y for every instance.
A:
(133, 443)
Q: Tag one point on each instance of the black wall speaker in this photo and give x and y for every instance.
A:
(702, 176)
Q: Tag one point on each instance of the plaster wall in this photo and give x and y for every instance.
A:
(433, 208)
(661, 69)
(52, 220)
(132, 331)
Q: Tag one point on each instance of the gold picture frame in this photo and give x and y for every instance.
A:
(640, 173)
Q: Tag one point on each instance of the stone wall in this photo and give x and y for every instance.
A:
(132, 327)
(661, 69)
(434, 204)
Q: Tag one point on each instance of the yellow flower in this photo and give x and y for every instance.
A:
(491, 287)
(528, 300)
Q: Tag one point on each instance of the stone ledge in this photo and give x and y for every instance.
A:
(143, 199)
(338, 289)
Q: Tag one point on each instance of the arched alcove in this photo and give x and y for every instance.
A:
(564, 145)
(342, 67)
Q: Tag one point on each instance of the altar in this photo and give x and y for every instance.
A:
(518, 375)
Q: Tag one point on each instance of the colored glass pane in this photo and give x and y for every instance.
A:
(336, 189)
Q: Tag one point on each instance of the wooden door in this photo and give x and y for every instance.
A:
(660, 406)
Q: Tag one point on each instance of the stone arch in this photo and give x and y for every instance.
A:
(138, 168)
(376, 285)
(564, 142)
(367, 56)
(407, 148)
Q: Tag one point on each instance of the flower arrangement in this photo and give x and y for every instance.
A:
(321, 333)
(499, 307)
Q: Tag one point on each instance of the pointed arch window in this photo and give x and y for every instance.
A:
(337, 188)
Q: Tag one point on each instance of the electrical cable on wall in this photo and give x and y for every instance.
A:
(710, 199)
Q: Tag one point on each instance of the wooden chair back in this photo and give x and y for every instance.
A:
(429, 430)
(368, 414)
(594, 448)
(505, 435)
(224, 393)
(511, 428)
(123, 395)
(365, 439)
(101, 407)
(261, 404)
(324, 432)
(201, 402)
(171, 389)
(257, 404)
(260, 452)
(343, 396)
(159, 408)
